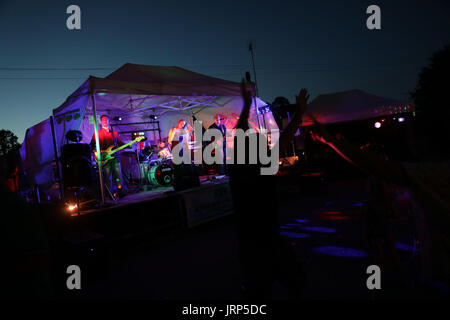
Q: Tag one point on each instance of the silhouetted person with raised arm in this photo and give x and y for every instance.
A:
(263, 254)
(428, 180)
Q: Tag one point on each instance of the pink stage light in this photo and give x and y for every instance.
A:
(377, 124)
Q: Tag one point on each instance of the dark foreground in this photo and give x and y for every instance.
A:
(326, 232)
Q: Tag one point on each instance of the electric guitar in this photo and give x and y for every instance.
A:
(107, 155)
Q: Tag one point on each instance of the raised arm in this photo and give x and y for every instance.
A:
(243, 118)
(367, 161)
(288, 134)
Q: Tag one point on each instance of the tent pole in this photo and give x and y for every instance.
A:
(250, 48)
(257, 115)
(97, 148)
(55, 149)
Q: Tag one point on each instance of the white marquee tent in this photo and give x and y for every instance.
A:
(353, 105)
(136, 93)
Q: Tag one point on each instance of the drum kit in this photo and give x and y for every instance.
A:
(146, 168)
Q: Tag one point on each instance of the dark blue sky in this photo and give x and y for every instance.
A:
(321, 45)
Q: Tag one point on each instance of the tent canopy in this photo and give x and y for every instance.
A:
(352, 105)
(138, 93)
(133, 87)
(162, 80)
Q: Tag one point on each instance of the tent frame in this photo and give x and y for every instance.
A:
(191, 103)
(97, 140)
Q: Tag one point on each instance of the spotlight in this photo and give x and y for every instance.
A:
(117, 118)
(153, 117)
(401, 119)
(71, 207)
(264, 109)
(377, 124)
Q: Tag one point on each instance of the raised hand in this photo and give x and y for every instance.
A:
(288, 134)
(247, 97)
(302, 100)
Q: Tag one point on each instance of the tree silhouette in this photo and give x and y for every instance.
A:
(432, 100)
(8, 142)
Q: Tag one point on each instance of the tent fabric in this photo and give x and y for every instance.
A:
(133, 79)
(162, 80)
(137, 93)
(37, 153)
(352, 105)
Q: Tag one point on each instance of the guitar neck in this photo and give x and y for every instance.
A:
(122, 147)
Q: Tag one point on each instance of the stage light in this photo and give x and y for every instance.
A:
(71, 207)
(264, 109)
(117, 118)
(401, 119)
(153, 117)
(377, 124)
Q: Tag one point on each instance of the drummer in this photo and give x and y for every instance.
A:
(164, 152)
(144, 152)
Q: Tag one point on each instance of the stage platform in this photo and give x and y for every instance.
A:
(159, 209)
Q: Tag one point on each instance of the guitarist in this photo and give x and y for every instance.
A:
(107, 139)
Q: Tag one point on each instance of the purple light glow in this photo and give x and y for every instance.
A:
(319, 229)
(295, 235)
(377, 124)
(341, 252)
(405, 247)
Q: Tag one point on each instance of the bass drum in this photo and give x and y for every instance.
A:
(161, 175)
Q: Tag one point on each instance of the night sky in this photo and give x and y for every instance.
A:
(321, 45)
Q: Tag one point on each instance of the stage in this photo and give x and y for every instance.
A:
(158, 209)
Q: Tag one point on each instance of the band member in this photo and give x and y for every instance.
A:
(219, 124)
(164, 152)
(181, 133)
(107, 139)
(143, 151)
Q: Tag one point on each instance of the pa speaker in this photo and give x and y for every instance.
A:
(185, 177)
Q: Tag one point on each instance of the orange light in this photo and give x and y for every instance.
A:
(71, 207)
